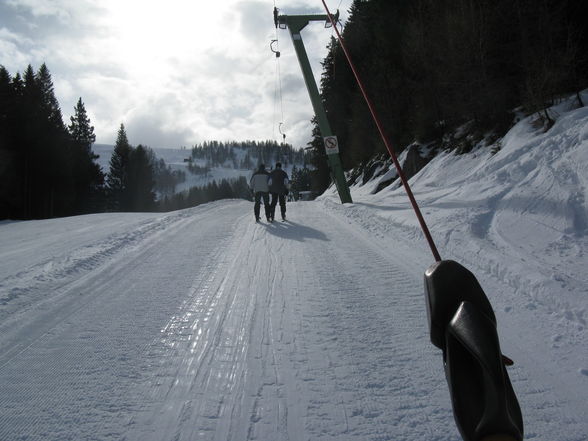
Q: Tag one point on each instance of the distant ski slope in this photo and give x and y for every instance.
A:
(175, 158)
(201, 324)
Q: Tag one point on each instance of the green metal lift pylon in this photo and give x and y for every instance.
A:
(295, 23)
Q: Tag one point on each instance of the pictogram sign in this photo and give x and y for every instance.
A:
(331, 145)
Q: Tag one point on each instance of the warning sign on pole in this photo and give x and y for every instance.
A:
(331, 145)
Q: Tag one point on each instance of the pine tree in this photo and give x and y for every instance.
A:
(140, 180)
(321, 175)
(5, 108)
(45, 142)
(80, 129)
(89, 179)
(117, 179)
(165, 178)
(225, 190)
(9, 164)
(15, 131)
(50, 105)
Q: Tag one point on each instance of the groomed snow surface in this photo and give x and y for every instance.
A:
(203, 325)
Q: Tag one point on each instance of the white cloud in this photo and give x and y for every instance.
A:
(9, 36)
(44, 8)
(175, 73)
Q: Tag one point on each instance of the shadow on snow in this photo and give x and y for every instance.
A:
(295, 231)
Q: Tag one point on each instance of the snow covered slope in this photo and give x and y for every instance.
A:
(175, 158)
(203, 325)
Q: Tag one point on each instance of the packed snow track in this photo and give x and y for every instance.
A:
(203, 325)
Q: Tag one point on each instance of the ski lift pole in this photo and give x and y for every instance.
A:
(295, 24)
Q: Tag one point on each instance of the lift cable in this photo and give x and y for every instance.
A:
(387, 143)
(278, 85)
(275, 101)
(280, 98)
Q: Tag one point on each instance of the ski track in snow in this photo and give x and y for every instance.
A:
(272, 315)
(544, 375)
(203, 325)
(68, 371)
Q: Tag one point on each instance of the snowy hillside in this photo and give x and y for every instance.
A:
(519, 215)
(203, 325)
(176, 159)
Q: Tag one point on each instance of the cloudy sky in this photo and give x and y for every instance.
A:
(175, 72)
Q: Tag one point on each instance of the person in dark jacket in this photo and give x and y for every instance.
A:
(259, 186)
(278, 187)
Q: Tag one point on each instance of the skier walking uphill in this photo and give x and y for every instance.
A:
(278, 187)
(259, 186)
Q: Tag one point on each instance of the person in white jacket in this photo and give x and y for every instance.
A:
(260, 188)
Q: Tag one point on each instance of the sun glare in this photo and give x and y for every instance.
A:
(149, 32)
